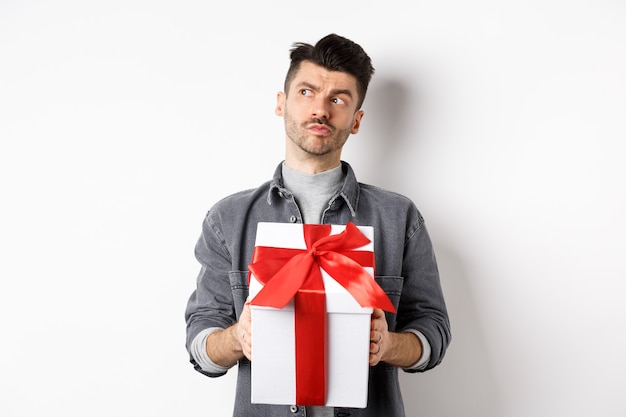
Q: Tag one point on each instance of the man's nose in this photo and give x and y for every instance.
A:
(320, 108)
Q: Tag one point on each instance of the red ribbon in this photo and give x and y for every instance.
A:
(295, 274)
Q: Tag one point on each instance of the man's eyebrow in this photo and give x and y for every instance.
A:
(316, 88)
(346, 92)
(308, 85)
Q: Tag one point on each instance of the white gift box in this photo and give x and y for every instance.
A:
(273, 333)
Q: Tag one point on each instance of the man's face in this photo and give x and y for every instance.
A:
(319, 111)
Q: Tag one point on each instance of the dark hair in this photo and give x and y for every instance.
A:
(335, 53)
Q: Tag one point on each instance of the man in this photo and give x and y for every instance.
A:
(321, 105)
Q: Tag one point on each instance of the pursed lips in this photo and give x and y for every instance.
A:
(319, 129)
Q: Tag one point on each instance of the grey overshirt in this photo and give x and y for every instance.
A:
(406, 269)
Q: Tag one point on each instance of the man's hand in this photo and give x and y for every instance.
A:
(398, 349)
(226, 347)
(244, 331)
(379, 336)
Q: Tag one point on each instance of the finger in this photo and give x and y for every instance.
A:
(373, 337)
(246, 344)
(374, 348)
(374, 358)
(378, 314)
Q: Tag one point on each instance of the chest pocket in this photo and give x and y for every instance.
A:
(392, 285)
(239, 288)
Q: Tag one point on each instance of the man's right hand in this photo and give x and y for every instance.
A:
(244, 331)
(226, 347)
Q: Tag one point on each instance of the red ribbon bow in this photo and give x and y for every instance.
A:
(295, 274)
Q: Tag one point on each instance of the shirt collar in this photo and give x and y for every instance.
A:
(349, 191)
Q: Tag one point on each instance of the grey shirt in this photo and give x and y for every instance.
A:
(312, 191)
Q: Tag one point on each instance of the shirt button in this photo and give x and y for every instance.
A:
(293, 408)
(293, 219)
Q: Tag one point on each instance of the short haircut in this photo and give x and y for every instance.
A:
(335, 53)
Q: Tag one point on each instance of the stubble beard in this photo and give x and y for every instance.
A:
(312, 144)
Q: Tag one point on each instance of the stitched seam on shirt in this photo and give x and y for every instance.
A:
(238, 286)
(218, 233)
(388, 278)
(418, 226)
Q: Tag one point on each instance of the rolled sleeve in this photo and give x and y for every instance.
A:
(422, 306)
(423, 361)
(210, 307)
(199, 353)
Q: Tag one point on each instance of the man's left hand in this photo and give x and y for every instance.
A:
(379, 336)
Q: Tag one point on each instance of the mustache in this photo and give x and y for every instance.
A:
(320, 121)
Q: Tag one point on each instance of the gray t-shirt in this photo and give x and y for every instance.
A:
(312, 191)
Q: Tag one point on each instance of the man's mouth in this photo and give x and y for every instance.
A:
(319, 127)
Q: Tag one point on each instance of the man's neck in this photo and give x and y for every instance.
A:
(313, 164)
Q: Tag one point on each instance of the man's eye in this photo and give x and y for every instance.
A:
(306, 92)
(337, 100)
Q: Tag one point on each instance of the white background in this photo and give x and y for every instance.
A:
(122, 122)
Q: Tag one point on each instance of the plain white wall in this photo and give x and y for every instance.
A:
(122, 122)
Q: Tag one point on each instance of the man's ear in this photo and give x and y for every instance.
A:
(357, 122)
(280, 104)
